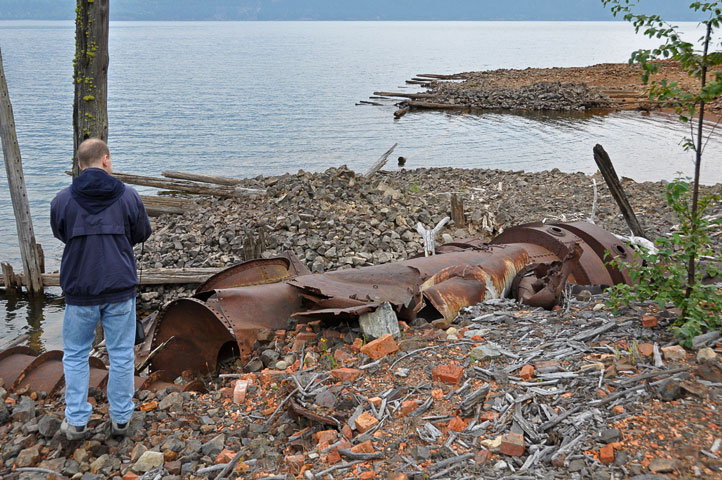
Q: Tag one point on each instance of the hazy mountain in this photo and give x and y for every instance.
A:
(340, 10)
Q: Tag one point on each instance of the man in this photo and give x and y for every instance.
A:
(99, 219)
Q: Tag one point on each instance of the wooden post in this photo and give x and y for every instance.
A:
(9, 279)
(615, 187)
(90, 107)
(18, 193)
(457, 212)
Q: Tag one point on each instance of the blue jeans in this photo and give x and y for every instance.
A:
(79, 322)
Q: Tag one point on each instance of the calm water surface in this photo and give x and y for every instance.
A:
(244, 99)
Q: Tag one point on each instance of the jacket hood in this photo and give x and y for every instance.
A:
(95, 190)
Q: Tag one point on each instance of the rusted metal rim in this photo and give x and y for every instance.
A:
(43, 374)
(13, 362)
(199, 335)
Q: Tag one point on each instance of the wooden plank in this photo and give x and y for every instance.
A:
(198, 177)
(405, 95)
(18, 192)
(437, 106)
(156, 206)
(380, 162)
(151, 276)
(615, 187)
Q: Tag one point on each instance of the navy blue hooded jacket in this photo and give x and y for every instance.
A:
(99, 219)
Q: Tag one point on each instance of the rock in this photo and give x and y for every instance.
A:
(705, 355)
(24, 410)
(138, 450)
(254, 365)
(173, 402)
(669, 390)
(380, 322)
(214, 446)
(492, 445)
(662, 465)
(28, 457)
(609, 435)
(100, 463)
(325, 399)
(421, 452)
(270, 357)
(485, 351)
(674, 353)
(48, 426)
(148, 461)
(4, 413)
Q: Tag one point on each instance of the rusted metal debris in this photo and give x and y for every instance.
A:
(532, 262)
(222, 319)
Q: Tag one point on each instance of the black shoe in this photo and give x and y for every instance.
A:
(118, 429)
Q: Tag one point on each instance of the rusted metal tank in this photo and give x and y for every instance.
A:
(223, 318)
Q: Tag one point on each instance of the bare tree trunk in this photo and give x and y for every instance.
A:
(90, 108)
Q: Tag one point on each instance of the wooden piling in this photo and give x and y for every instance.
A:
(18, 193)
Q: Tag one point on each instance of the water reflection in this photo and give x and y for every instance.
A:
(37, 316)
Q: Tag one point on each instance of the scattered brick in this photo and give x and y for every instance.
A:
(606, 454)
(450, 374)
(239, 391)
(512, 444)
(130, 476)
(618, 409)
(342, 356)
(346, 430)
(357, 344)
(380, 347)
(324, 438)
(527, 372)
(646, 349)
(302, 338)
(269, 376)
(279, 335)
(148, 406)
(363, 447)
(482, 456)
(489, 415)
(675, 352)
(333, 457)
(649, 321)
(368, 475)
(456, 424)
(365, 422)
(408, 406)
(295, 463)
(437, 394)
(225, 456)
(346, 374)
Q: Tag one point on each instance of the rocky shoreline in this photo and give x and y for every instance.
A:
(339, 219)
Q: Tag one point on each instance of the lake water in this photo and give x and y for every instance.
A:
(248, 98)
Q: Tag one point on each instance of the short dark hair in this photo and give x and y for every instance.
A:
(91, 151)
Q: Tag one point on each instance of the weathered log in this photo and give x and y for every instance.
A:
(156, 206)
(615, 187)
(441, 77)
(457, 212)
(405, 95)
(418, 82)
(90, 105)
(437, 106)
(380, 162)
(401, 111)
(364, 102)
(152, 276)
(18, 192)
(197, 177)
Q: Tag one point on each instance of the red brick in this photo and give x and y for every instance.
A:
(397, 475)
(375, 401)
(279, 335)
(365, 422)
(646, 349)
(342, 356)
(333, 457)
(482, 456)
(368, 475)
(408, 406)
(649, 321)
(606, 454)
(346, 430)
(512, 444)
(357, 344)
(130, 476)
(225, 456)
(226, 392)
(302, 338)
(527, 372)
(325, 438)
(239, 392)
(450, 374)
(457, 425)
(346, 374)
(489, 416)
(295, 463)
(330, 333)
(380, 347)
(269, 376)
(363, 447)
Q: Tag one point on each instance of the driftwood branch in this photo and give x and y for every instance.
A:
(615, 187)
(380, 162)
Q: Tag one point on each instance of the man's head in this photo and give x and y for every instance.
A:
(94, 153)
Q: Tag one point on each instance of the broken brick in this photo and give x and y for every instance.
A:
(130, 476)
(346, 430)
(148, 406)
(437, 393)
(450, 374)
(325, 438)
(646, 349)
(457, 425)
(368, 475)
(489, 416)
(408, 406)
(333, 457)
(375, 401)
(512, 444)
(357, 344)
(649, 321)
(363, 447)
(482, 456)
(606, 454)
(239, 391)
(527, 372)
(295, 463)
(269, 376)
(342, 356)
(302, 338)
(225, 456)
(380, 347)
(346, 374)
(365, 422)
